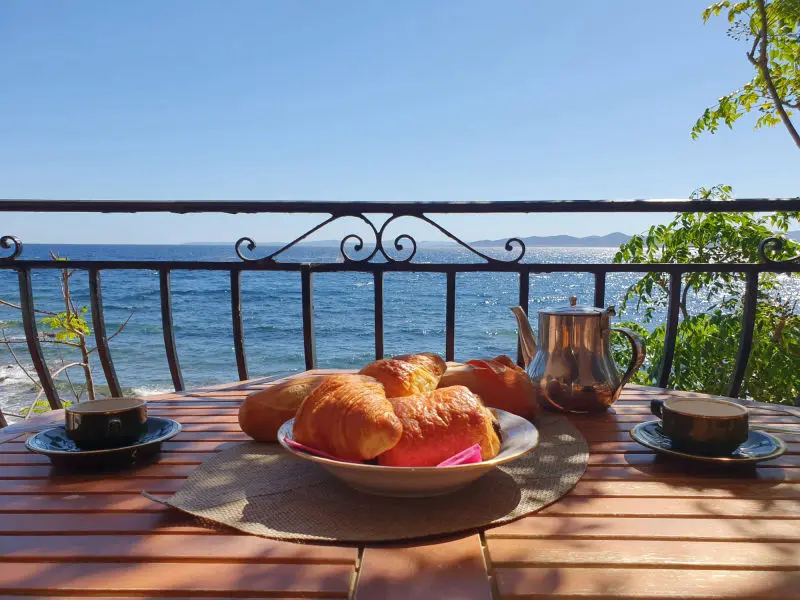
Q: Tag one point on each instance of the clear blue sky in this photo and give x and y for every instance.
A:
(345, 100)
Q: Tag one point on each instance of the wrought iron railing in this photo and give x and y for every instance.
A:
(378, 256)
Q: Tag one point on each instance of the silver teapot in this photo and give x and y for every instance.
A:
(573, 369)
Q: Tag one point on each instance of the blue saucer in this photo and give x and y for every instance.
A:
(63, 452)
(758, 446)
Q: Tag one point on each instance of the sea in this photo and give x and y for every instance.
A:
(414, 309)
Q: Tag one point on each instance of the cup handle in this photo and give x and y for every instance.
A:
(114, 426)
(657, 407)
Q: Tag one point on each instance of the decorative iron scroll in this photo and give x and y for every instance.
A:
(775, 245)
(9, 241)
(381, 245)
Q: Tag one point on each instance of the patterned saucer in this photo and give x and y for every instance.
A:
(758, 446)
(63, 452)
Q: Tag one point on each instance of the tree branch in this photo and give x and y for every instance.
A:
(752, 54)
(71, 384)
(763, 66)
(684, 311)
(50, 338)
(54, 374)
(44, 339)
(43, 312)
(117, 332)
(6, 341)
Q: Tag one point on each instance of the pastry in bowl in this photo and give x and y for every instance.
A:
(262, 413)
(439, 424)
(407, 374)
(498, 381)
(348, 416)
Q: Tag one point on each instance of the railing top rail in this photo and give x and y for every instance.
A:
(407, 208)
(401, 266)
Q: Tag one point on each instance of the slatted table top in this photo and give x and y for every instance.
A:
(635, 526)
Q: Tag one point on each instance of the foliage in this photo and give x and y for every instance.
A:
(708, 341)
(68, 326)
(40, 406)
(774, 52)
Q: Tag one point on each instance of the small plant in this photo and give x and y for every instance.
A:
(68, 328)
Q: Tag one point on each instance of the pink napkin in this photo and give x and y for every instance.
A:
(465, 457)
(314, 451)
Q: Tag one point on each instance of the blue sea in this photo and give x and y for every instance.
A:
(414, 314)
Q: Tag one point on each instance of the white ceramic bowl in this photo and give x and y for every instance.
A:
(518, 436)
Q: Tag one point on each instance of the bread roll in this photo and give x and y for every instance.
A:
(407, 374)
(440, 424)
(262, 413)
(499, 383)
(348, 416)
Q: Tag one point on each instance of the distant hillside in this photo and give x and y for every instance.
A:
(611, 240)
(561, 241)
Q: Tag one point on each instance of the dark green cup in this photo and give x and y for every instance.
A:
(106, 423)
(702, 425)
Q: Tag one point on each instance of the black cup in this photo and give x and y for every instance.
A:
(106, 423)
(702, 425)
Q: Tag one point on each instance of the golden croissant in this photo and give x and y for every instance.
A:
(349, 417)
(407, 374)
(499, 382)
(439, 424)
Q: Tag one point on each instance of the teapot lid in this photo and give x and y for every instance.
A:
(574, 309)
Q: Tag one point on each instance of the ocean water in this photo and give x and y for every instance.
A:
(414, 309)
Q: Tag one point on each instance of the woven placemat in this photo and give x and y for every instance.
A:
(263, 490)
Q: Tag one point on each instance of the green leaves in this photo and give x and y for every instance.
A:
(708, 342)
(68, 327)
(774, 51)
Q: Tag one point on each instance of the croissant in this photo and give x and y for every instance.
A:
(349, 417)
(407, 374)
(262, 413)
(498, 381)
(438, 424)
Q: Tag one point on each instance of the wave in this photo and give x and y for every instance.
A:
(13, 376)
(150, 390)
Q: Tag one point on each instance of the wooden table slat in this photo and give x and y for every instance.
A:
(223, 579)
(166, 522)
(167, 458)
(79, 503)
(652, 527)
(688, 488)
(138, 548)
(715, 506)
(776, 555)
(625, 584)
(155, 485)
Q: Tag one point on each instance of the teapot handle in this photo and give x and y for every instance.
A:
(638, 352)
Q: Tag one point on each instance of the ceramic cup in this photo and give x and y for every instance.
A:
(106, 423)
(702, 425)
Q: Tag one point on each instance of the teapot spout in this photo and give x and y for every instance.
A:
(526, 338)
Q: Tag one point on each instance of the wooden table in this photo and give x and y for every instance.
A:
(635, 526)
